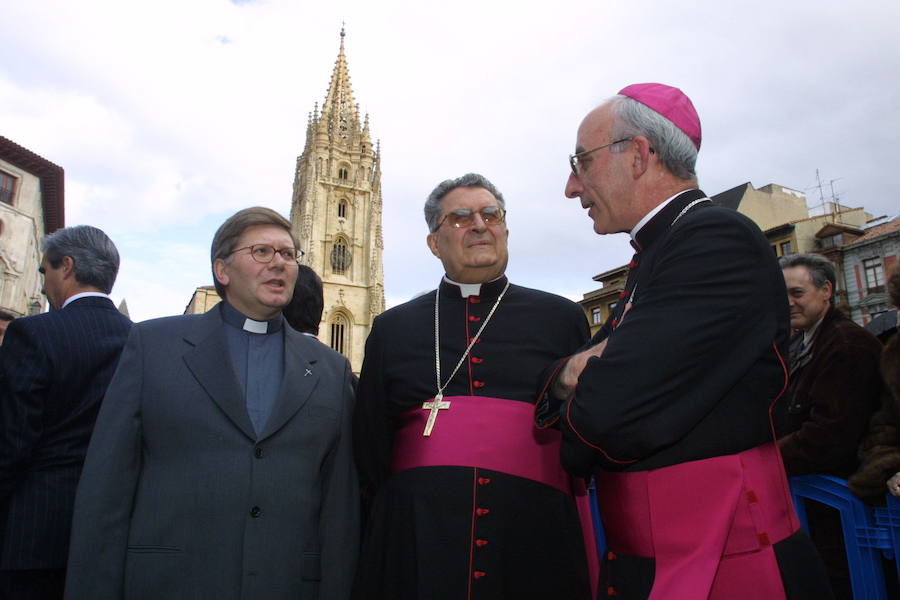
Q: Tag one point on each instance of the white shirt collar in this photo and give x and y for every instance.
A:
(468, 289)
(72, 299)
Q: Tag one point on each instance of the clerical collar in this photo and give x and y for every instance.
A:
(658, 220)
(237, 319)
(489, 289)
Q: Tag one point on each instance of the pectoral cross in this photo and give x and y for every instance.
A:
(434, 406)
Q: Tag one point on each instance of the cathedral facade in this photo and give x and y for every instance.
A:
(336, 215)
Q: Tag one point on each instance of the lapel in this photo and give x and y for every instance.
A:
(300, 378)
(210, 363)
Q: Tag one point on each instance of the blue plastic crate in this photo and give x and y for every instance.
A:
(865, 538)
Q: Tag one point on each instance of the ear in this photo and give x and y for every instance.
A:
(221, 271)
(67, 266)
(826, 287)
(641, 156)
(431, 240)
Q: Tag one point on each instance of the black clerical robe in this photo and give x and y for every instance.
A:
(462, 531)
(674, 418)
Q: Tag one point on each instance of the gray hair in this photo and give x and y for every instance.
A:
(820, 268)
(675, 149)
(95, 258)
(433, 203)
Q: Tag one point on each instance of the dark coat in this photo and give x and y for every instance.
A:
(54, 370)
(691, 370)
(879, 452)
(832, 397)
(181, 499)
(425, 538)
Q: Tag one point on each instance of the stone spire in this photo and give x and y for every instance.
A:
(336, 214)
(340, 113)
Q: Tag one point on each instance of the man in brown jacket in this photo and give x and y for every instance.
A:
(834, 388)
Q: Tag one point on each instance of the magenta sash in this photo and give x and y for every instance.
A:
(495, 434)
(709, 524)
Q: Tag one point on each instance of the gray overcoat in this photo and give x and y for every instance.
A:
(180, 499)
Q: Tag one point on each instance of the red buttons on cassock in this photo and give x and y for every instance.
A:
(482, 511)
(610, 556)
(474, 299)
(614, 323)
(622, 294)
(632, 264)
(476, 340)
(481, 543)
(478, 384)
(473, 318)
(477, 360)
(478, 574)
(484, 480)
(611, 591)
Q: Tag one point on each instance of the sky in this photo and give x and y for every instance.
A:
(169, 116)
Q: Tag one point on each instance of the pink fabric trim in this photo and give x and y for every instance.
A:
(701, 521)
(496, 434)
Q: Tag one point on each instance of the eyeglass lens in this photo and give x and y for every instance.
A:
(491, 215)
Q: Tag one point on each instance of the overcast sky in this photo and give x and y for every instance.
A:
(170, 115)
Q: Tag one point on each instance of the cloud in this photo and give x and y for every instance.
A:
(169, 116)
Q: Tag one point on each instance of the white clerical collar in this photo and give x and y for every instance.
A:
(72, 299)
(652, 214)
(468, 289)
(239, 320)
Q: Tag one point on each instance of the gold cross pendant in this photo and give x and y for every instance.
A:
(436, 405)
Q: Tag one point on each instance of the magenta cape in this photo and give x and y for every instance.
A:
(709, 524)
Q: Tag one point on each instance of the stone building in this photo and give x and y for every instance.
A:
(867, 260)
(31, 206)
(336, 215)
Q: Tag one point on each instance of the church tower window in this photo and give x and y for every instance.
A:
(340, 256)
(343, 173)
(339, 333)
(342, 208)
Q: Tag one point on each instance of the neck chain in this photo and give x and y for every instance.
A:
(675, 220)
(437, 343)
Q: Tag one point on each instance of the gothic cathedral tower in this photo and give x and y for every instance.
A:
(336, 215)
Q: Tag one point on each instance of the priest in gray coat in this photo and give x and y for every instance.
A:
(221, 463)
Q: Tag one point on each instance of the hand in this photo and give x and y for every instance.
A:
(893, 485)
(568, 378)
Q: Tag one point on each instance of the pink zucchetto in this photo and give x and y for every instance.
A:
(671, 103)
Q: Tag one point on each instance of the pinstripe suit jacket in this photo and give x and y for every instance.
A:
(54, 369)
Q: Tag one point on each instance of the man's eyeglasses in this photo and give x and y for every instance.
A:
(264, 253)
(464, 217)
(575, 159)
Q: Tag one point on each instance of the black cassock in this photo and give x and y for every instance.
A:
(460, 532)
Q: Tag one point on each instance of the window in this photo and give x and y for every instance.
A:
(340, 256)
(338, 333)
(343, 173)
(874, 275)
(596, 317)
(786, 248)
(7, 187)
(612, 307)
(342, 208)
